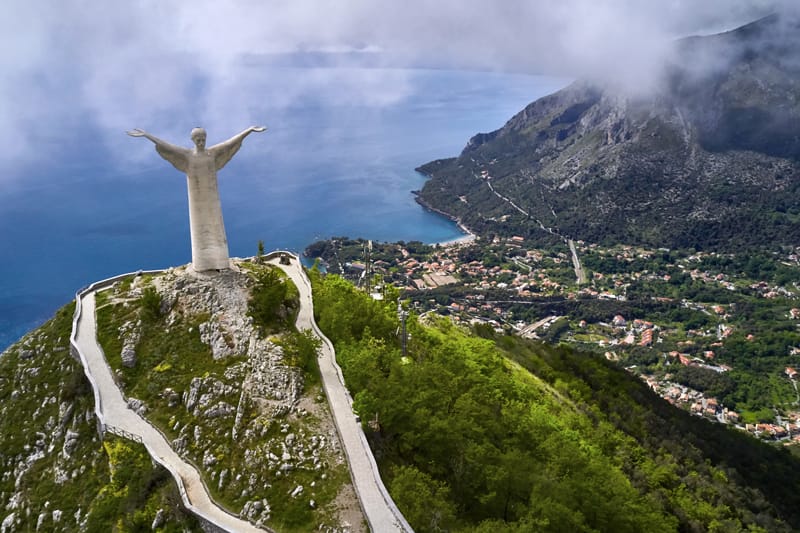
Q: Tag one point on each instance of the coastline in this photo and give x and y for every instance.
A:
(469, 236)
(464, 239)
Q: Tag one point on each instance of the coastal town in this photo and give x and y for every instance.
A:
(716, 335)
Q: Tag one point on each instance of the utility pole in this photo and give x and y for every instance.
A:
(368, 265)
(403, 314)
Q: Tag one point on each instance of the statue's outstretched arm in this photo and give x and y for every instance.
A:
(176, 155)
(224, 151)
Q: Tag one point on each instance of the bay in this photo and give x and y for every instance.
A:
(81, 211)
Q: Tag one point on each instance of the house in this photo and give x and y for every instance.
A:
(647, 338)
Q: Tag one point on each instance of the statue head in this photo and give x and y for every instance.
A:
(199, 138)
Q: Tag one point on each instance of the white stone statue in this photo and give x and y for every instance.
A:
(209, 244)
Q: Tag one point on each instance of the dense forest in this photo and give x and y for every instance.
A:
(479, 432)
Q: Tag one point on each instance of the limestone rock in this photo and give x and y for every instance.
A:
(137, 405)
(8, 523)
(191, 397)
(209, 459)
(221, 409)
(128, 355)
(130, 333)
(159, 520)
(70, 443)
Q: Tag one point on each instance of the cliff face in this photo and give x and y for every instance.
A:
(711, 160)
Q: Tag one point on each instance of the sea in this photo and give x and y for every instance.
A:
(80, 211)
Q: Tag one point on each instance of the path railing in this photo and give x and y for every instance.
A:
(73, 339)
(209, 522)
(401, 520)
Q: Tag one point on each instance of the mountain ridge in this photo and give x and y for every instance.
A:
(711, 160)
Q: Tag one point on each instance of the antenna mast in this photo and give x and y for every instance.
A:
(403, 314)
(368, 265)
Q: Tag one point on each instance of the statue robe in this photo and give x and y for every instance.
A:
(209, 243)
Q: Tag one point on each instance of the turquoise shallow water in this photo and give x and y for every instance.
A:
(324, 169)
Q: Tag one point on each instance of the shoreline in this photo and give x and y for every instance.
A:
(468, 237)
(464, 239)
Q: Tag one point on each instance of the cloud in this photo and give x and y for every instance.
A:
(160, 64)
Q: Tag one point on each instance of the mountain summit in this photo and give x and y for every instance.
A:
(709, 160)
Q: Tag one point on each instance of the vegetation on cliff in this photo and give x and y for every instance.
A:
(498, 433)
(214, 362)
(57, 474)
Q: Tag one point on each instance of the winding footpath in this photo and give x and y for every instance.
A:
(379, 509)
(115, 416)
(114, 412)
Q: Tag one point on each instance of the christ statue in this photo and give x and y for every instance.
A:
(200, 164)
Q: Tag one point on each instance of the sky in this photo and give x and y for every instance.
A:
(164, 63)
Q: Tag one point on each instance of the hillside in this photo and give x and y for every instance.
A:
(57, 474)
(473, 431)
(476, 431)
(711, 160)
(214, 362)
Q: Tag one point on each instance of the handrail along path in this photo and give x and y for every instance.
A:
(114, 415)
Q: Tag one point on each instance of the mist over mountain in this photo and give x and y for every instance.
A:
(709, 159)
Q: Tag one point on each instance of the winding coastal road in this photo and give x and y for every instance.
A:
(580, 275)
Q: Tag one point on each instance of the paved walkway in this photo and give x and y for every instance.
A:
(380, 510)
(114, 411)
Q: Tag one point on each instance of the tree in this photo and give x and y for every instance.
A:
(269, 300)
(260, 252)
(300, 348)
(150, 304)
(425, 501)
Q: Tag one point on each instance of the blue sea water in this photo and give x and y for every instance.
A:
(77, 214)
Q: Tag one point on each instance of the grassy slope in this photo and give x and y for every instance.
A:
(171, 355)
(505, 434)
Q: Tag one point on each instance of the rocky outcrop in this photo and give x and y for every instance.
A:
(130, 333)
(245, 419)
(54, 470)
(220, 296)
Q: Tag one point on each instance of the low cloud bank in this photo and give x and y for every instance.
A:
(157, 64)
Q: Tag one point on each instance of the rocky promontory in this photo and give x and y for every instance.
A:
(214, 363)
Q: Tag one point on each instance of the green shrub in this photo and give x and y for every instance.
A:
(150, 305)
(272, 303)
